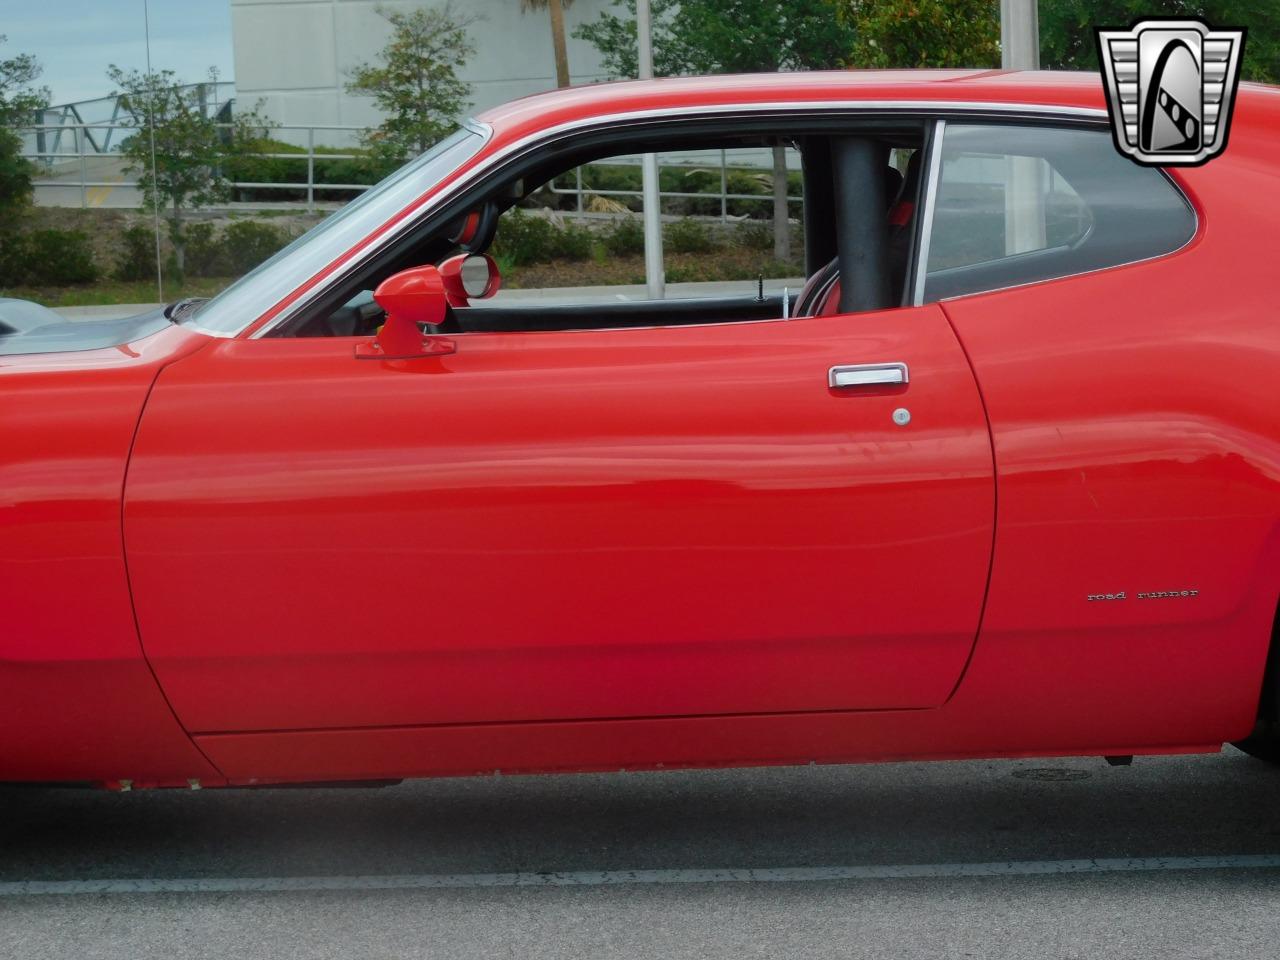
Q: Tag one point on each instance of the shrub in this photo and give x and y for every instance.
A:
(622, 236)
(610, 176)
(688, 236)
(247, 243)
(256, 169)
(754, 235)
(173, 273)
(366, 168)
(63, 256)
(137, 259)
(15, 177)
(625, 238)
(47, 258)
(522, 238)
(572, 242)
(525, 238)
(678, 273)
(12, 249)
(210, 252)
(206, 252)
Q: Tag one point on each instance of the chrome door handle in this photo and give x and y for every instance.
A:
(867, 375)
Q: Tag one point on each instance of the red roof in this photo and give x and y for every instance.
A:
(1051, 88)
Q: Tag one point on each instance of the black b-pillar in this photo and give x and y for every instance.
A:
(858, 166)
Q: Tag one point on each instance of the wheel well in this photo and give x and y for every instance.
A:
(1269, 701)
(1264, 741)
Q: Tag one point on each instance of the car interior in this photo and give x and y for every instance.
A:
(861, 189)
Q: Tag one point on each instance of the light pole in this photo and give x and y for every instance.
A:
(1019, 35)
(655, 279)
(1024, 209)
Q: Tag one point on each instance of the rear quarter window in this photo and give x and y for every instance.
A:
(1021, 203)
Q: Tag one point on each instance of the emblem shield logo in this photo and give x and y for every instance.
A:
(1170, 86)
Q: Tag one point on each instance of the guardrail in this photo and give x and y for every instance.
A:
(86, 151)
(580, 192)
(71, 169)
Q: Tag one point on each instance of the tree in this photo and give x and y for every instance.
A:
(730, 36)
(966, 33)
(724, 36)
(189, 146)
(1066, 29)
(924, 33)
(416, 83)
(20, 103)
(556, 9)
(615, 38)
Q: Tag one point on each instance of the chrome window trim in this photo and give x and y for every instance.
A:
(930, 196)
(926, 108)
(922, 265)
(477, 127)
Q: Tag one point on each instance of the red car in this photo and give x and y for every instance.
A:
(1003, 479)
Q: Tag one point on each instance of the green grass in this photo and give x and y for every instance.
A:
(106, 292)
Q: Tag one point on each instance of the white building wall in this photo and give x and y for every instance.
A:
(296, 55)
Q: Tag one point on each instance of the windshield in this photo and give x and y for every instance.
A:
(253, 294)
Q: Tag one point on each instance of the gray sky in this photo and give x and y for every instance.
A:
(76, 40)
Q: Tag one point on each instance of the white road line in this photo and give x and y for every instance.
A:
(592, 878)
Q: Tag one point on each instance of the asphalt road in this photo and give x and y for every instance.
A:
(1044, 859)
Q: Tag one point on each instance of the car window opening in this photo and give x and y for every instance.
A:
(856, 212)
(1018, 204)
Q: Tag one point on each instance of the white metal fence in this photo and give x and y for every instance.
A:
(722, 164)
(75, 159)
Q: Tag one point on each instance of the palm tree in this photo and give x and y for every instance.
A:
(556, 8)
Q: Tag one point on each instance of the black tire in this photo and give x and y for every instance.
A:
(1264, 742)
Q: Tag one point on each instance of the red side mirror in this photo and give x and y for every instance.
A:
(410, 298)
(470, 276)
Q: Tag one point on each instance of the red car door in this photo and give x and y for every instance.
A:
(600, 524)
